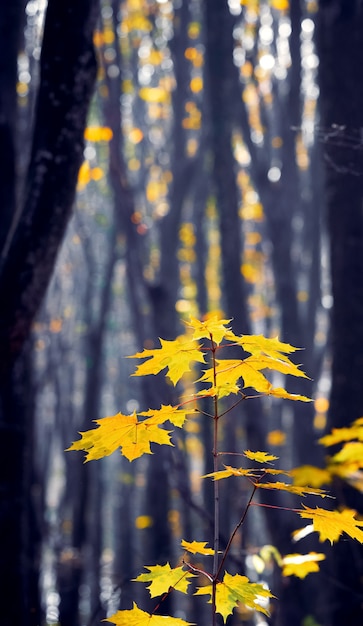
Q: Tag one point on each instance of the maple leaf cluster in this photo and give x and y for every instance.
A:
(134, 435)
(245, 377)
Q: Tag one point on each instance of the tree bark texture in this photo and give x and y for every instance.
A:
(68, 72)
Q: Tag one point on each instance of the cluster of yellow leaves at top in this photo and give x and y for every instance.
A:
(134, 436)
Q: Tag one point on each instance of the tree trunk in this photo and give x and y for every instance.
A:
(68, 71)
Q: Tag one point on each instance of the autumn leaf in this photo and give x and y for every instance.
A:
(175, 355)
(232, 471)
(351, 452)
(258, 344)
(310, 475)
(197, 547)
(278, 392)
(331, 524)
(261, 362)
(301, 565)
(241, 471)
(121, 431)
(212, 326)
(347, 433)
(260, 457)
(222, 391)
(235, 589)
(228, 371)
(295, 489)
(173, 414)
(137, 617)
(162, 577)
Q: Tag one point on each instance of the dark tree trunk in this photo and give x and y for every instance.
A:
(68, 70)
(11, 22)
(340, 47)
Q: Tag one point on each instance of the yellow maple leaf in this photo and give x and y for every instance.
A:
(228, 371)
(351, 452)
(241, 471)
(121, 431)
(222, 391)
(235, 589)
(347, 433)
(175, 355)
(174, 414)
(278, 392)
(331, 524)
(310, 475)
(137, 617)
(196, 547)
(260, 457)
(295, 489)
(232, 471)
(258, 344)
(260, 362)
(213, 326)
(162, 577)
(301, 565)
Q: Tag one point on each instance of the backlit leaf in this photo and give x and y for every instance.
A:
(228, 371)
(255, 472)
(258, 344)
(340, 435)
(295, 489)
(310, 475)
(260, 457)
(232, 471)
(351, 452)
(121, 431)
(222, 391)
(212, 326)
(137, 617)
(175, 355)
(235, 589)
(162, 577)
(174, 414)
(301, 565)
(261, 362)
(196, 547)
(332, 524)
(278, 392)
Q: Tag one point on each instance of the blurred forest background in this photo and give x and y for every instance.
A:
(161, 159)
